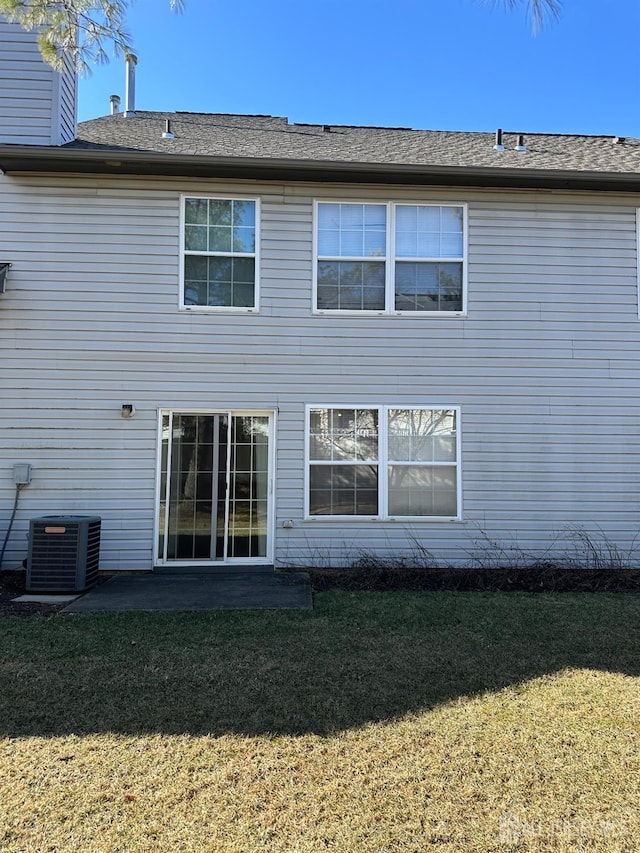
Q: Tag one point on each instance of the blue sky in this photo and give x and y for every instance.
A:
(437, 64)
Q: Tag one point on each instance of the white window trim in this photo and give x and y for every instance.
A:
(220, 309)
(383, 459)
(390, 259)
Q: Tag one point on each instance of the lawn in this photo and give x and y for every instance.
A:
(378, 722)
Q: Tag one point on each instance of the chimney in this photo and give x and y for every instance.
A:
(130, 91)
(115, 104)
(38, 106)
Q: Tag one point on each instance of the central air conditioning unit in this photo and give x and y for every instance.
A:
(64, 553)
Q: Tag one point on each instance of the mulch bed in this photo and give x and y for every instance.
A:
(538, 579)
(533, 579)
(11, 585)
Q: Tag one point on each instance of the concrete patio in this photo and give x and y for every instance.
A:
(224, 591)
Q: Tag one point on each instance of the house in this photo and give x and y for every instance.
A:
(244, 341)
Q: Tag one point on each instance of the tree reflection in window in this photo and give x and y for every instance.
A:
(419, 475)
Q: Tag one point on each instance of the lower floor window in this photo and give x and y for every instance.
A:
(383, 462)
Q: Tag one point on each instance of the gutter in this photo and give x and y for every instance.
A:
(111, 161)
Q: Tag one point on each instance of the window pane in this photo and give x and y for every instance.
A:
(450, 284)
(219, 269)
(243, 269)
(329, 216)
(425, 286)
(352, 230)
(452, 219)
(220, 212)
(374, 243)
(231, 225)
(343, 490)
(422, 435)
(244, 239)
(195, 211)
(220, 239)
(244, 213)
(366, 434)
(351, 285)
(195, 238)
(451, 246)
(352, 243)
(219, 282)
(196, 267)
(422, 490)
(428, 217)
(406, 244)
(219, 295)
(243, 295)
(428, 244)
(328, 242)
(195, 293)
(428, 231)
(349, 434)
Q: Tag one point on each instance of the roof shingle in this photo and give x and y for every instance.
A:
(268, 137)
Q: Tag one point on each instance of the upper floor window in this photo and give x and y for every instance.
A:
(391, 258)
(220, 257)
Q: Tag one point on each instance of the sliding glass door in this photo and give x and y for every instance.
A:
(215, 476)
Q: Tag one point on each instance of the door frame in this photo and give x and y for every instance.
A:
(158, 559)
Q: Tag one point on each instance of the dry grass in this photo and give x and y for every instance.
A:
(380, 722)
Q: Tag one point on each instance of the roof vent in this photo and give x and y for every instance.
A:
(114, 100)
(498, 146)
(520, 146)
(130, 92)
(619, 140)
(326, 128)
(167, 134)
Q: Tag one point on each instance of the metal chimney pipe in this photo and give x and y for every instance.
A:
(499, 146)
(520, 146)
(115, 104)
(130, 92)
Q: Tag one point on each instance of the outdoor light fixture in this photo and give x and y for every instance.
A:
(4, 269)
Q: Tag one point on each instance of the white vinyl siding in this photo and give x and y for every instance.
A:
(37, 104)
(545, 367)
(390, 258)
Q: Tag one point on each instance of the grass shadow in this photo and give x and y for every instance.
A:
(355, 659)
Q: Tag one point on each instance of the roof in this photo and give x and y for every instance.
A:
(272, 148)
(268, 136)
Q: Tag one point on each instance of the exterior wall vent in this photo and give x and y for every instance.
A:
(64, 553)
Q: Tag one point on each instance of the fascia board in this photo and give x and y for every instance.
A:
(34, 158)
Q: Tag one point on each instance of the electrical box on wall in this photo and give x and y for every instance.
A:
(22, 473)
(4, 269)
